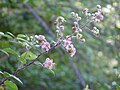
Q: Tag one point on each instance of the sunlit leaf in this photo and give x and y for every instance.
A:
(16, 78)
(52, 72)
(21, 36)
(10, 34)
(10, 85)
(1, 72)
(27, 56)
(117, 87)
(4, 52)
(6, 74)
(9, 50)
(21, 39)
(1, 33)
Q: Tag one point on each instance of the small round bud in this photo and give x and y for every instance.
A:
(98, 6)
(88, 14)
(85, 10)
(94, 28)
(74, 28)
(57, 31)
(80, 29)
(72, 13)
(99, 16)
(79, 18)
(76, 15)
(60, 19)
(55, 23)
(83, 40)
(61, 27)
(75, 23)
(79, 36)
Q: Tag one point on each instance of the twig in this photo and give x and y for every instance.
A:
(52, 34)
(39, 19)
(26, 65)
(82, 82)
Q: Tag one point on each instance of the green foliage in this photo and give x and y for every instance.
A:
(27, 56)
(9, 50)
(6, 74)
(97, 59)
(10, 85)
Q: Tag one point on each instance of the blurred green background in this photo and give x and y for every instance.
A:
(97, 60)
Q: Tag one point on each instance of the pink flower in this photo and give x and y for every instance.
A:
(61, 27)
(99, 16)
(40, 37)
(45, 45)
(71, 50)
(67, 43)
(48, 63)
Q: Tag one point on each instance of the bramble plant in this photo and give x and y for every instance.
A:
(40, 44)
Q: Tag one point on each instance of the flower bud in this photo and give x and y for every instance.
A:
(98, 6)
(74, 28)
(83, 40)
(75, 23)
(79, 36)
(99, 16)
(61, 27)
(85, 10)
(57, 31)
(79, 18)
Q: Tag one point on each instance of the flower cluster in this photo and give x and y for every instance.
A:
(95, 31)
(76, 18)
(59, 25)
(67, 43)
(98, 16)
(86, 12)
(48, 63)
(44, 43)
(80, 37)
(66, 40)
(76, 28)
(59, 22)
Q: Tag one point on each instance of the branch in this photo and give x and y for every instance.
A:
(82, 82)
(39, 19)
(29, 64)
(52, 34)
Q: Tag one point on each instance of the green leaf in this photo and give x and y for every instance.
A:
(4, 52)
(11, 51)
(1, 33)
(27, 56)
(21, 36)
(4, 44)
(21, 39)
(6, 74)
(117, 87)
(38, 63)
(52, 72)
(10, 34)
(1, 72)
(7, 36)
(10, 85)
(16, 78)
